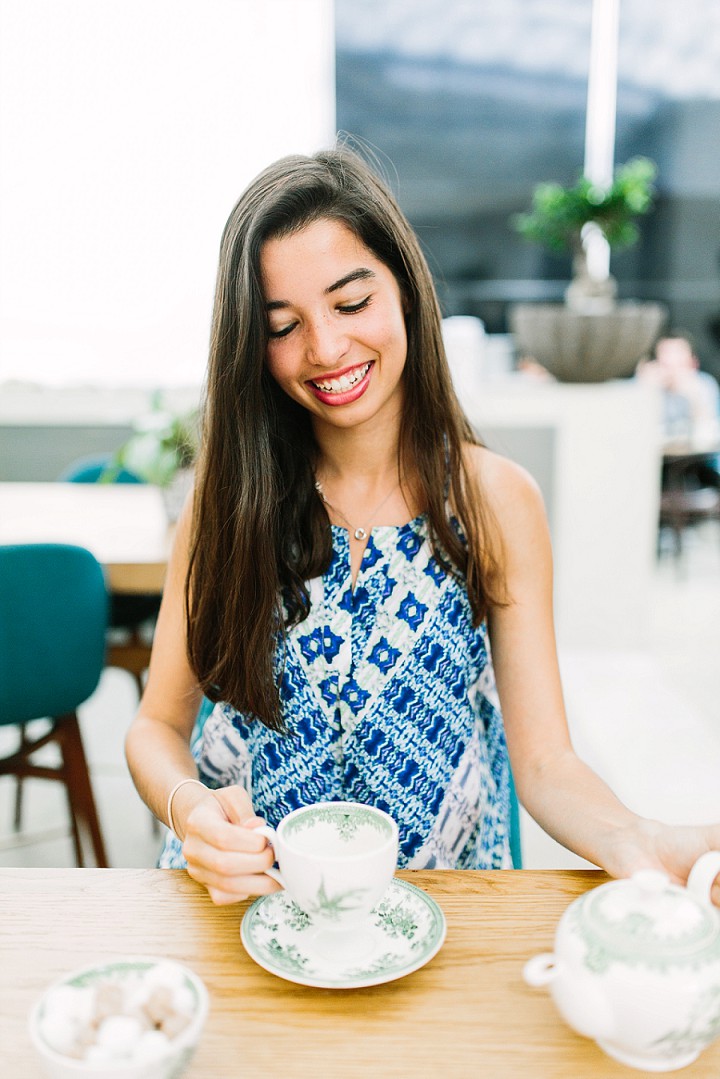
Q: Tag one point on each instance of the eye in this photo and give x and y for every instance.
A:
(351, 308)
(282, 332)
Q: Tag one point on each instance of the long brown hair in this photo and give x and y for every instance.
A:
(260, 530)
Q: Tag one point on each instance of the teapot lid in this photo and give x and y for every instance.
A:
(647, 920)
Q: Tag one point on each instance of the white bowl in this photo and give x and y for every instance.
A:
(48, 1026)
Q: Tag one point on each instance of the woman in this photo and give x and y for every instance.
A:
(349, 554)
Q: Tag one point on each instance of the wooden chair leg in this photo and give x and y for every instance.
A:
(17, 816)
(678, 534)
(77, 779)
(76, 838)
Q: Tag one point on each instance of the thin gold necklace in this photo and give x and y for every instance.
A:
(357, 531)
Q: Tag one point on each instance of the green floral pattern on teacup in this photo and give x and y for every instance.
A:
(332, 907)
(347, 821)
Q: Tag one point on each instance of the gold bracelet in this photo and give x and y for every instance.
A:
(173, 792)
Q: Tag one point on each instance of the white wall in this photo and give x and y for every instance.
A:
(128, 128)
(602, 501)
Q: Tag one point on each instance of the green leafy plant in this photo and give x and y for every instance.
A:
(163, 443)
(559, 214)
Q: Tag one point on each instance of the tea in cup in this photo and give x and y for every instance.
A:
(336, 860)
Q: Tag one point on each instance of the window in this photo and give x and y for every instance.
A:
(128, 130)
(472, 104)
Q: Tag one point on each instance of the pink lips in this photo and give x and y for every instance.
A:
(346, 396)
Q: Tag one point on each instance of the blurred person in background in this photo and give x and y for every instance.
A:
(691, 397)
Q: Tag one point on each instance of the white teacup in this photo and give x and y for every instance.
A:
(336, 860)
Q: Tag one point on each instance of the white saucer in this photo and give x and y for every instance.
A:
(403, 932)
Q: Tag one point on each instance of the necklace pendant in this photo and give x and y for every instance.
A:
(360, 534)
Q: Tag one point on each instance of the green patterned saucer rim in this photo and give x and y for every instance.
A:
(292, 959)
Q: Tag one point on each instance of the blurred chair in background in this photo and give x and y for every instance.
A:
(690, 478)
(130, 637)
(53, 622)
(97, 469)
(515, 839)
(690, 495)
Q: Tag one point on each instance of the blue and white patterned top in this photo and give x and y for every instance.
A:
(389, 695)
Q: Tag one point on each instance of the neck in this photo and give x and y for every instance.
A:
(370, 463)
(369, 449)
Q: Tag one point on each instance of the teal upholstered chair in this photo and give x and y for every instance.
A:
(96, 469)
(515, 847)
(53, 621)
(204, 712)
(129, 650)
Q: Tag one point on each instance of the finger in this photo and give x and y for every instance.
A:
(227, 863)
(236, 888)
(236, 803)
(225, 898)
(208, 824)
(254, 822)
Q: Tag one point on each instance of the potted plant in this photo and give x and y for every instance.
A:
(565, 219)
(560, 216)
(162, 450)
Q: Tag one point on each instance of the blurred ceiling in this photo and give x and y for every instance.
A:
(671, 47)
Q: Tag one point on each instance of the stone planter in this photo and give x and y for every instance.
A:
(586, 347)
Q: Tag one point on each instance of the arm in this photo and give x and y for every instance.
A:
(219, 845)
(560, 791)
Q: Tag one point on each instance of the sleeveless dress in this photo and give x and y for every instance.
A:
(389, 696)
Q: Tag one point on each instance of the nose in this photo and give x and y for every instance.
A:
(326, 342)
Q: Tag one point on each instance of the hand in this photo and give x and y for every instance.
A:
(221, 849)
(672, 849)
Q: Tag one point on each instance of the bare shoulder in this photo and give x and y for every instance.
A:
(515, 515)
(516, 520)
(506, 487)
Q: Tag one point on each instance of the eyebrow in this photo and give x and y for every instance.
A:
(361, 274)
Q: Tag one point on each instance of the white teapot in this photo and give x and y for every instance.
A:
(636, 967)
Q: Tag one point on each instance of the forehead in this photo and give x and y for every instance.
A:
(316, 249)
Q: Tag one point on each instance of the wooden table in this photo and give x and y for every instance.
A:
(467, 1013)
(124, 525)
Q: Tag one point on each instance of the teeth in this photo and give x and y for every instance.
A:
(340, 385)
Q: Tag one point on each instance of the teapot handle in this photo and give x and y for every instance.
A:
(540, 970)
(703, 874)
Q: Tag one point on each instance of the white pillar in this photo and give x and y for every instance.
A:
(600, 121)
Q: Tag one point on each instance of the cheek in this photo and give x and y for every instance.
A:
(388, 331)
(277, 363)
(395, 335)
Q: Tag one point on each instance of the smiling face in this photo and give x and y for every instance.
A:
(337, 341)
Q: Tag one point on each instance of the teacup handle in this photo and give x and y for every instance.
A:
(702, 875)
(271, 834)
